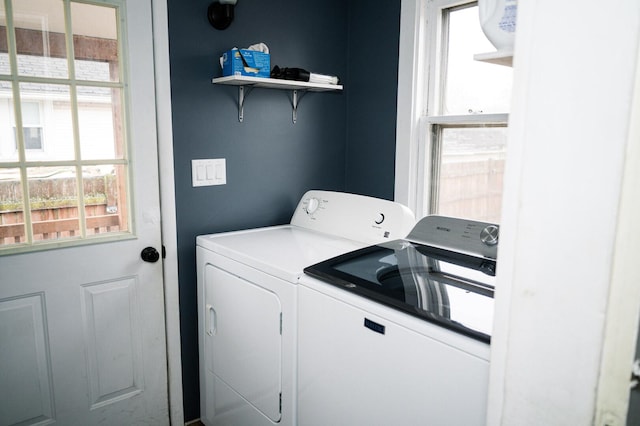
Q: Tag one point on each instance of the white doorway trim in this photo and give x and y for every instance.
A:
(623, 310)
(168, 211)
(562, 217)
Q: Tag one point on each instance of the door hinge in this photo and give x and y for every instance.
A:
(164, 252)
(280, 402)
(281, 323)
(635, 375)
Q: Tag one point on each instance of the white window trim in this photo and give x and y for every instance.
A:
(468, 119)
(415, 96)
(411, 101)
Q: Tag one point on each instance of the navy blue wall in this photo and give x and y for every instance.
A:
(374, 29)
(271, 162)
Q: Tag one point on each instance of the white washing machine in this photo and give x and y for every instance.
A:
(399, 333)
(247, 301)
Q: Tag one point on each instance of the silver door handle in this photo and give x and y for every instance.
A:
(211, 320)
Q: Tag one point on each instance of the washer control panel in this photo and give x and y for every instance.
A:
(489, 235)
(477, 238)
(352, 216)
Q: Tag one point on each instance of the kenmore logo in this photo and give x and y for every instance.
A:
(442, 228)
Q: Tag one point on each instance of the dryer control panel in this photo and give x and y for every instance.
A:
(356, 217)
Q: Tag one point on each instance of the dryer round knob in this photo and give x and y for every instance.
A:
(489, 235)
(312, 205)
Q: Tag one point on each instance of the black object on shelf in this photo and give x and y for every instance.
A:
(297, 74)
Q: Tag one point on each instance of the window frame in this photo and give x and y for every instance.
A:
(421, 37)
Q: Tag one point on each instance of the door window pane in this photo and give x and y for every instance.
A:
(99, 115)
(12, 228)
(471, 86)
(4, 63)
(30, 114)
(8, 145)
(471, 172)
(32, 138)
(31, 126)
(104, 190)
(95, 42)
(58, 124)
(40, 38)
(4, 56)
(53, 201)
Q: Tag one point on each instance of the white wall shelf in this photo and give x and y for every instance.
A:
(246, 84)
(499, 57)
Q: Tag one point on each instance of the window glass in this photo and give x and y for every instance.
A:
(90, 63)
(472, 87)
(58, 125)
(4, 56)
(99, 109)
(104, 209)
(31, 126)
(40, 38)
(5, 68)
(12, 227)
(468, 122)
(53, 203)
(63, 149)
(30, 114)
(32, 137)
(471, 172)
(8, 138)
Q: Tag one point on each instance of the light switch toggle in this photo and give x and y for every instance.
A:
(209, 172)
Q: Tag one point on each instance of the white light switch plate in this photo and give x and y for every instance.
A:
(209, 172)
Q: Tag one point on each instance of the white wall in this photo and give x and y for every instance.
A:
(569, 126)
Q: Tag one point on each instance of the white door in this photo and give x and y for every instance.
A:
(82, 332)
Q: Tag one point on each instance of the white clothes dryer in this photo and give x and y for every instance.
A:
(247, 301)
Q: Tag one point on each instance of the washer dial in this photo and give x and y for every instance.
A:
(489, 235)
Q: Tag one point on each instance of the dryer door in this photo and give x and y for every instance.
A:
(243, 326)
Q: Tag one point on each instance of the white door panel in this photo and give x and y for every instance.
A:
(82, 333)
(112, 338)
(25, 366)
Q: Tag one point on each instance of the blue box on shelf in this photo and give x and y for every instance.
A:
(246, 62)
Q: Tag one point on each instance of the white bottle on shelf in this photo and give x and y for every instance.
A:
(498, 22)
